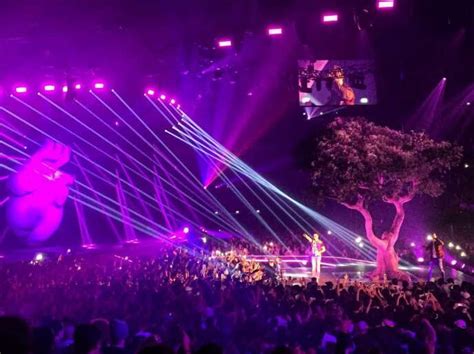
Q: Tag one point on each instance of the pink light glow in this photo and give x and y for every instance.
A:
(150, 92)
(64, 89)
(330, 18)
(173, 101)
(99, 85)
(163, 97)
(225, 43)
(385, 4)
(275, 31)
(49, 88)
(77, 86)
(21, 89)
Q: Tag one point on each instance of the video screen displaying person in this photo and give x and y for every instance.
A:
(336, 82)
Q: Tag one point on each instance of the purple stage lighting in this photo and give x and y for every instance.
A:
(162, 97)
(77, 86)
(99, 85)
(330, 18)
(21, 89)
(64, 89)
(186, 230)
(173, 101)
(49, 88)
(225, 43)
(384, 4)
(274, 31)
(150, 92)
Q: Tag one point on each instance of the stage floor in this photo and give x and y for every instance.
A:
(333, 268)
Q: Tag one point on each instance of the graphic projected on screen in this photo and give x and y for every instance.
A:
(336, 82)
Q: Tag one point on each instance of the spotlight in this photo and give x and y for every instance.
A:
(21, 89)
(364, 100)
(68, 251)
(429, 237)
(329, 232)
(216, 212)
(468, 103)
(65, 89)
(463, 265)
(384, 4)
(306, 99)
(172, 101)
(77, 86)
(358, 239)
(99, 85)
(444, 79)
(258, 211)
(150, 92)
(453, 262)
(237, 212)
(412, 244)
(450, 245)
(463, 254)
(162, 97)
(225, 43)
(330, 18)
(186, 230)
(116, 123)
(275, 31)
(49, 88)
(361, 245)
(466, 165)
(204, 239)
(420, 259)
(458, 247)
(39, 257)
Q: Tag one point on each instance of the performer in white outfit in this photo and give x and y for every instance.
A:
(317, 249)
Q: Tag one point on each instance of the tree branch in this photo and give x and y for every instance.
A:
(369, 228)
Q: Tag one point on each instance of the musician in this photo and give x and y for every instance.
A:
(436, 249)
(341, 93)
(317, 249)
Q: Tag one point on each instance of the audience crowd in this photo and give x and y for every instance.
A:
(180, 302)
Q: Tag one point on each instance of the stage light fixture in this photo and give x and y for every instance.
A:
(305, 99)
(463, 254)
(453, 262)
(330, 18)
(49, 88)
(77, 86)
(39, 257)
(420, 259)
(172, 101)
(466, 165)
(186, 230)
(450, 245)
(21, 89)
(429, 237)
(65, 89)
(364, 100)
(162, 97)
(329, 232)
(358, 239)
(412, 244)
(237, 211)
(274, 31)
(99, 85)
(225, 43)
(150, 92)
(385, 4)
(468, 103)
(258, 211)
(458, 247)
(204, 239)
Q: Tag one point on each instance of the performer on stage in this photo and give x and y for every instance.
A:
(317, 249)
(341, 93)
(436, 249)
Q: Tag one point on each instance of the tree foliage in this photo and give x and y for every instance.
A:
(357, 160)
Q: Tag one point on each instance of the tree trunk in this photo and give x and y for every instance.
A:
(387, 263)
